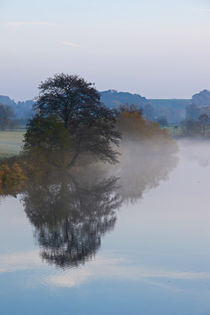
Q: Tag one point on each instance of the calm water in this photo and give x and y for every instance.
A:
(140, 246)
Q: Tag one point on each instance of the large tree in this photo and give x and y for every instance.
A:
(76, 103)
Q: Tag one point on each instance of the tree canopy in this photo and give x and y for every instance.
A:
(76, 104)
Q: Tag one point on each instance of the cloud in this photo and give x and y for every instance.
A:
(202, 9)
(71, 44)
(16, 24)
(100, 269)
(120, 269)
(19, 261)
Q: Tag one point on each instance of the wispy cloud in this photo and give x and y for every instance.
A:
(202, 9)
(71, 44)
(16, 24)
(19, 261)
(104, 268)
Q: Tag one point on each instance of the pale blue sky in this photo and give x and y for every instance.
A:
(157, 48)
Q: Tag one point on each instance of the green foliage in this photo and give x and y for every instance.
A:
(76, 104)
(47, 141)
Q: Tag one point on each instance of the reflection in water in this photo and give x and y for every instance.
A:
(202, 153)
(143, 166)
(72, 211)
(70, 216)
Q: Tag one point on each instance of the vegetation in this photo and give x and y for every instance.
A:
(134, 127)
(74, 104)
(162, 121)
(7, 118)
(72, 128)
(173, 109)
(72, 205)
(196, 127)
(12, 176)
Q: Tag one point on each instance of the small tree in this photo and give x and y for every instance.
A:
(204, 121)
(192, 112)
(162, 121)
(149, 112)
(190, 127)
(6, 117)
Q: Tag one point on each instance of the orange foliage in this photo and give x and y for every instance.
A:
(11, 177)
(135, 128)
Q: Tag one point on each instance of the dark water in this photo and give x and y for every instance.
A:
(136, 241)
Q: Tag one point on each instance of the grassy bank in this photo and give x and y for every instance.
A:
(10, 142)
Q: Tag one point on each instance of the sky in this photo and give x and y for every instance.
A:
(158, 49)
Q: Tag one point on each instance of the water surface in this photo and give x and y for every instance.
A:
(140, 246)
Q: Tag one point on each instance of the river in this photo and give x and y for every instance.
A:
(141, 255)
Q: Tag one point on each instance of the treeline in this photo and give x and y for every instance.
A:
(8, 120)
(197, 121)
(163, 111)
(158, 110)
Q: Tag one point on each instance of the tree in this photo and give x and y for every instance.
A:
(6, 117)
(76, 103)
(162, 121)
(134, 127)
(148, 112)
(192, 112)
(190, 127)
(204, 121)
(47, 141)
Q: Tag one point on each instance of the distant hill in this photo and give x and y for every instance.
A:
(23, 110)
(5, 100)
(173, 109)
(114, 99)
(202, 98)
(173, 103)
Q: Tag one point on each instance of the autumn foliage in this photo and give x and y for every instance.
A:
(134, 128)
(47, 149)
(12, 177)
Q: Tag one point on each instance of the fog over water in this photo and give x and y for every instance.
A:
(196, 150)
(132, 238)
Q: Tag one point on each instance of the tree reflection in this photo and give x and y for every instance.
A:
(70, 215)
(72, 211)
(143, 167)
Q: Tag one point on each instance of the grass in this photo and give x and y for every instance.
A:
(10, 142)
